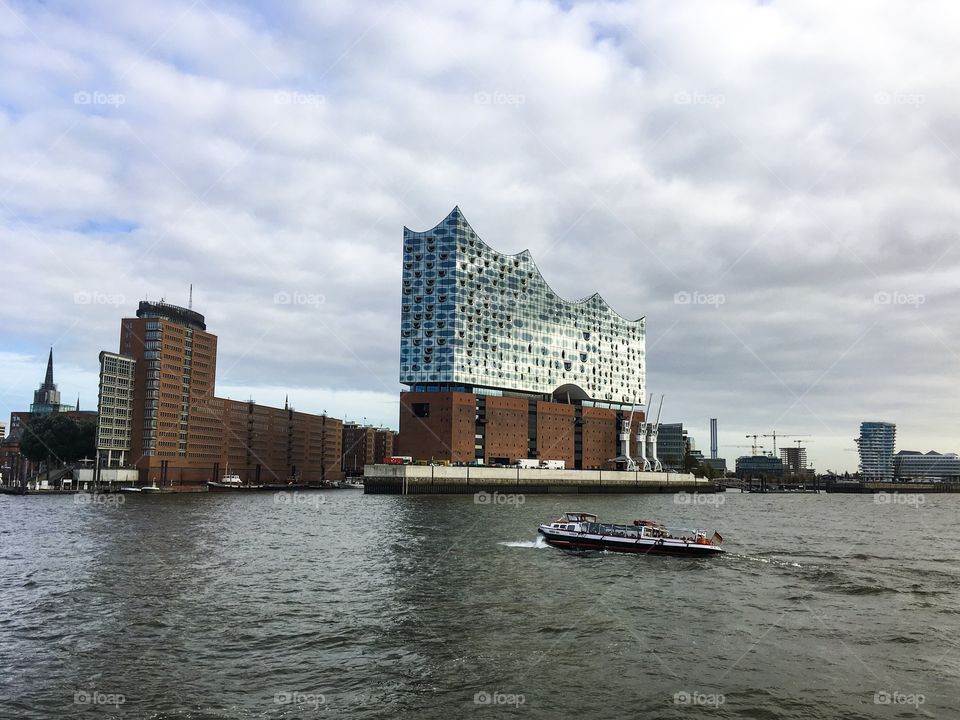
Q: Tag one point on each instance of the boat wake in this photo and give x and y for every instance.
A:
(539, 543)
(768, 561)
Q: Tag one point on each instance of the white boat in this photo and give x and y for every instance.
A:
(583, 531)
(352, 484)
(131, 489)
(229, 482)
(150, 488)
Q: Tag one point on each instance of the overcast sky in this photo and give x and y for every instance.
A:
(773, 185)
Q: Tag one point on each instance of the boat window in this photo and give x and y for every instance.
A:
(569, 527)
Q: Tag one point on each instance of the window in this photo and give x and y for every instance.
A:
(421, 410)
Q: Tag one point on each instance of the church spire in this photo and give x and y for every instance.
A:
(48, 380)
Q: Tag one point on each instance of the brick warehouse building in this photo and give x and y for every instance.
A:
(365, 445)
(182, 435)
(500, 367)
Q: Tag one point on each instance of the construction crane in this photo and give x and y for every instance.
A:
(754, 446)
(775, 435)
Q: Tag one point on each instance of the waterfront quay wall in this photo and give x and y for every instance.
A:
(444, 480)
(894, 487)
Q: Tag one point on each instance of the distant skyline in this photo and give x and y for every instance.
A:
(773, 185)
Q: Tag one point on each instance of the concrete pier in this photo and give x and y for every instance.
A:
(444, 480)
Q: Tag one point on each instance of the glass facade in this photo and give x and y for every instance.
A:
(876, 443)
(474, 317)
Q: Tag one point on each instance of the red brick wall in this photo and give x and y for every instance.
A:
(555, 431)
(599, 437)
(506, 430)
(446, 434)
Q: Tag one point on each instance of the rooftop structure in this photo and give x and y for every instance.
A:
(475, 319)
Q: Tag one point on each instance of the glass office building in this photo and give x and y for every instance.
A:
(477, 320)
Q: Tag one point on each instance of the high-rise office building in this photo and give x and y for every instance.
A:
(876, 444)
(672, 445)
(499, 366)
(181, 434)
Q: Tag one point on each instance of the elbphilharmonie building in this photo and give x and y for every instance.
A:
(477, 319)
(499, 367)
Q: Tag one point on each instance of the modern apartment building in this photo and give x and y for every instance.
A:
(500, 367)
(794, 459)
(876, 443)
(115, 407)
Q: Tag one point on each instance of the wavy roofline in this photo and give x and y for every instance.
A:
(526, 252)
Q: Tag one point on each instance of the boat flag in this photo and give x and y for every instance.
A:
(717, 538)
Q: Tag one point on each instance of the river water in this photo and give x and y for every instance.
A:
(338, 604)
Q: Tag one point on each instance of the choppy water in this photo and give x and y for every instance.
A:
(246, 606)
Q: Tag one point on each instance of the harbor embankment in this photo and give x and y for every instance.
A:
(444, 480)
